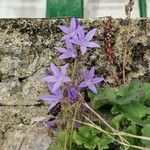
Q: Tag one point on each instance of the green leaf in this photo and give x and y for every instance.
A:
(103, 96)
(104, 142)
(124, 94)
(91, 138)
(146, 94)
(134, 112)
(147, 90)
(86, 136)
(132, 129)
(128, 93)
(146, 132)
(115, 122)
(60, 141)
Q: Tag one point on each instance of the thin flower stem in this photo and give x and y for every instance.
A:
(124, 63)
(114, 130)
(108, 134)
(121, 138)
(135, 136)
(66, 136)
(111, 128)
(126, 48)
(87, 106)
(72, 128)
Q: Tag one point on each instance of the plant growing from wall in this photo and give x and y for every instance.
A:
(119, 117)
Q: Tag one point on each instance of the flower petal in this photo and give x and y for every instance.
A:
(73, 24)
(67, 37)
(66, 79)
(80, 33)
(97, 80)
(91, 72)
(48, 99)
(56, 86)
(64, 56)
(50, 86)
(85, 76)
(61, 50)
(64, 69)
(92, 44)
(77, 42)
(83, 49)
(90, 35)
(53, 104)
(59, 94)
(55, 70)
(93, 88)
(50, 79)
(75, 38)
(50, 124)
(83, 84)
(72, 93)
(69, 45)
(64, 29)
(77, 125)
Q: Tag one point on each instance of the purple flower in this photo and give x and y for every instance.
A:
(58, 78)
(77, 125)
(84, 40)
(68, 52)
(70, 31)
(72, 93)
(52, 100)
(90, 81)
(50, 124)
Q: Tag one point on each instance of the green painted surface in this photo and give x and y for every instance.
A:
(143, 8)
(64, 8)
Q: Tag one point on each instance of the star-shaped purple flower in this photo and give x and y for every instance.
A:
(58, 78)
(90, 81)
(68, 52)
(52, 100)
(84, 40)
(70, 31)
(50, 124)
(72, 93)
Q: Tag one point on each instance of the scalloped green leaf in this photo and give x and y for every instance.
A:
(124, 94)
(132, 129)
(146, 132)
(86, 136)
(103, 96)
(115, 122)
(134, 112)
(104, 142)
(128, 93)
(146, 94)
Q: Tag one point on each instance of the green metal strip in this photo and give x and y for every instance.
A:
(143, 8)
(64, 8)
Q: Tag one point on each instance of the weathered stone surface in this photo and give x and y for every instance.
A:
(26, 137)
(27, 47)
(27, 115)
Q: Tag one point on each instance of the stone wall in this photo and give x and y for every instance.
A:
(26, 49)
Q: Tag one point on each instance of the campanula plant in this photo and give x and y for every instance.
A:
(119, 117)
(74, 37)
(68, 90)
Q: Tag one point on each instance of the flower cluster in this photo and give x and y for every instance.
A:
(77, 42)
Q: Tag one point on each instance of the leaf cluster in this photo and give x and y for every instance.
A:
(129, 113)
(130, 108)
